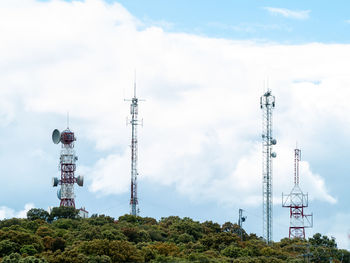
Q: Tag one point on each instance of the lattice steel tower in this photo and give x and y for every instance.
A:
(67, 168)
(296, 201)
(134, 204)
(267, 104)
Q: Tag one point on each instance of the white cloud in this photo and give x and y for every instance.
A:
(300, 14)
(109, 175)
(250, 27)
(7, 213)
(337, 225)
(202, 117)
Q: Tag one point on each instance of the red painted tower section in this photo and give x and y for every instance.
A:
(297, 201)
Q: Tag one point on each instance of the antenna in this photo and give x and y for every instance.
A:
(296, 201)
(134, 152)
(267, 104)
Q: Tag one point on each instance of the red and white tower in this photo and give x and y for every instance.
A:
(67, 168)
(296, 201)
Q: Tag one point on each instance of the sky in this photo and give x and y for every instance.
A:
(201, 68)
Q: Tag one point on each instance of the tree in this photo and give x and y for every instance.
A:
(234, 252)
(28, 250)
(210, 227)
(319, 240)
(32, 260)
(7, 247)
(63, 212)
(37, 213)
(100, 259)
(12, 258)
(123, 251)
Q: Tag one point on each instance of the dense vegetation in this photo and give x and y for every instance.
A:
(61, 237)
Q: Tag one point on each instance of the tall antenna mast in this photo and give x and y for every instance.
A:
(267, 104)
(134, 209)
(296, 201)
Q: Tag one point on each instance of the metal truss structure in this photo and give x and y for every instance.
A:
(296, 201)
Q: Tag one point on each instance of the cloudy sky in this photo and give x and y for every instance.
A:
(201, 68)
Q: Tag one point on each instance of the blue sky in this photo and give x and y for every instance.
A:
(324, 22)
(201, 68)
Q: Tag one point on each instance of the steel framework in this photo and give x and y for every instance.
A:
(67, 168)
(296, 201)
(67, 162)
(267, 104)
(134, 204)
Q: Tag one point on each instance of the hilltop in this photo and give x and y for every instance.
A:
(63, 238)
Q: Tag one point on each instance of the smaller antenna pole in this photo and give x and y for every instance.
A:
(67, 119)
(135, 83)
(240, 222)
(296, 166)
(241, 219)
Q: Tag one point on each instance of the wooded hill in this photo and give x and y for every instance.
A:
(61, 237)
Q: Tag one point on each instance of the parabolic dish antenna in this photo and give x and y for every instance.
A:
(59, 193)
(80, 180)
(54, 181)
(56, 136)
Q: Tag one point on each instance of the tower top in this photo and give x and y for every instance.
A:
(135, 84)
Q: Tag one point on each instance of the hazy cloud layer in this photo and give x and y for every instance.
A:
(202, 117)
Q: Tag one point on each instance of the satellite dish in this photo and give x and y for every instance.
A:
(80, 180)
(59, 193)
(54, 181)
(56, 136)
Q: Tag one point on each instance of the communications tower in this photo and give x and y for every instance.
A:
(296, 201)
(134, 204)
(67, 167)
(267, 104)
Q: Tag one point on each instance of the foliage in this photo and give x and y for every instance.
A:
(62, 237)
(37, 213)
(63, 212)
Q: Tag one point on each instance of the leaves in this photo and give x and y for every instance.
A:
(62, 237)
